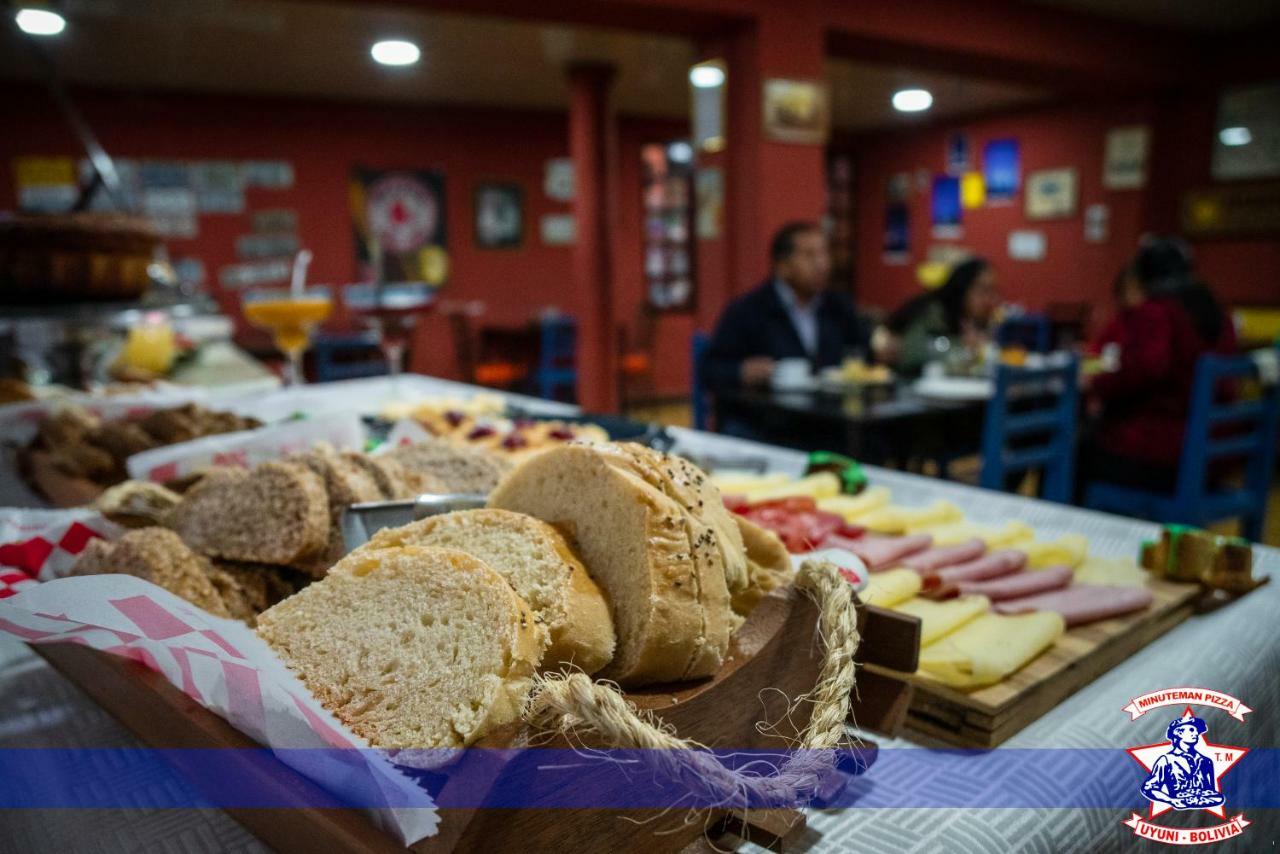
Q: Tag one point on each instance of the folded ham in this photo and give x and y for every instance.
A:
(933, 559)
(884, 552)
(1019, 583)
(991, 565)
(1081, 603)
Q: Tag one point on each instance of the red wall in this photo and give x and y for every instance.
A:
(1073, 269)
(323, 141)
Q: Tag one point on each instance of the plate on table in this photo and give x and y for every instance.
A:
(954, 388)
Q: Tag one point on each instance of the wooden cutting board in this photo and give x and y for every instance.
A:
(990, 716)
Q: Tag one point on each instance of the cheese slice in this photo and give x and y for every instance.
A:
(742, 482)
(903, 520)
(940, 618)
(890, 588)
(851, 507)
(1003, 537)
(989, 648)
(821, 484)
(1068, 550)
(1111, 571)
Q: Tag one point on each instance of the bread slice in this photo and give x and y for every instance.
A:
(156, 555)
(278, 514)
(458, 468)
(410, 647)
(248, 589)
(539, 564)
(642, 547)
(768, 565)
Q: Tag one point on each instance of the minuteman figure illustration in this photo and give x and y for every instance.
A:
(1183, 777)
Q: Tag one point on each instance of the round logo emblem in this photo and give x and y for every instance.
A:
(403, 214)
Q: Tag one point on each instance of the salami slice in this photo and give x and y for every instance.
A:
(931, 560)
(879, 552)
(1019, 584)
(991, 565)
(1081, 603)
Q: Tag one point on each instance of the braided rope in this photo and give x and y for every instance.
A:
(568, 702)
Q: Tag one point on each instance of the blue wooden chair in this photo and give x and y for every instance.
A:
(1032, 332)
(1251, 439)
(347, 357)
(557, 371)
(700, 396)
(1040, 433)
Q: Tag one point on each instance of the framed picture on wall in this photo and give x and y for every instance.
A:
(797, 111)
(1051, 194)
(499, 216)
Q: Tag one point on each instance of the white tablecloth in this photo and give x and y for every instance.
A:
(1235, 649)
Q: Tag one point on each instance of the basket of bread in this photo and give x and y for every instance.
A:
(602, 599)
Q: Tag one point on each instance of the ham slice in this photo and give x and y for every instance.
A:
(1019, 584)
(934, 559)
(1081, 603)
(886, 552)
(991, 565)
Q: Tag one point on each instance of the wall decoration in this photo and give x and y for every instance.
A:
(958, 154)
(45, 184)
(1124, 164)
(172, 211)
(797, 111)
(1097, 223)
(898, 188)
(399, 219)
(275, 219)
(499, 212)
(219, 187)
(1051, 194)
(945, 208)
(897, 233)
(557, 179)
(270, 245)
(973, 190)
(1002, 169)
(1232, 211)
(1247, 143)
(1028, 245)
(667, 194)
(710, 193)
(267, 174)
(130, 197)
(558, 229)
(253, 273)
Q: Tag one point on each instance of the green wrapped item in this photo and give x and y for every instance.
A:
(852, 478)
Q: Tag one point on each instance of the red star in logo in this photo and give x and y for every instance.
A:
(1224, 757)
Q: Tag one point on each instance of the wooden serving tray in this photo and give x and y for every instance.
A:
(776, 648)
(990, 716)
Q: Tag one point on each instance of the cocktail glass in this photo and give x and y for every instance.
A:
(291, 317)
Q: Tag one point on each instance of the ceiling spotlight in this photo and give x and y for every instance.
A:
(40, 22)
(912, 100)
(1234, 136)
(706, 76)
(395, 52)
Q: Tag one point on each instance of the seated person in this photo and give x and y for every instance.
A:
(961, 311)
(1166, 320)
(793, 315)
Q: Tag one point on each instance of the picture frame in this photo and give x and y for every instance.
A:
(1052, 194)
(797, 111)
(499, 215)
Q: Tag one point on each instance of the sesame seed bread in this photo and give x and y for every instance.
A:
(642, 547)
(156, 555)
(278, 513)
(539, 564)
(410, 647)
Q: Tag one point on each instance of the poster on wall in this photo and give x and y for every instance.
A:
(1124, 163)
(558, 229)
(958, 154)
(1028, 245)
(1051, 194)
(399, 220)
(557, 179)
(973, 190)
(945, 208)
(897, 234)
(1002, 170)
(499, 216)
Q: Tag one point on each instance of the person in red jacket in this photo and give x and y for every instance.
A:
(1167, 319)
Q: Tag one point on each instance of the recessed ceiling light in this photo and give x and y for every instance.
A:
(912, 100)
(706, 76)
(395, 52)
(1234, 136)
(40, 22)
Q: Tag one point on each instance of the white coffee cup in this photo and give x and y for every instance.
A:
(792, 373)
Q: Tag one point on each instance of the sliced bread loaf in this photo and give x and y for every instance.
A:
(457, 467)
(278, 514)
(411, 647)
(159, 556)
(539, 564)
(643, 548)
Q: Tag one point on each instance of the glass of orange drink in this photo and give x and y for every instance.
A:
(291, 317)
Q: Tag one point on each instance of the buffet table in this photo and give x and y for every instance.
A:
(1234, 649)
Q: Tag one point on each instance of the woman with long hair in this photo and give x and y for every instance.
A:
(961, 311)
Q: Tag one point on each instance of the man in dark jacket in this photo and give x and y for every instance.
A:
(792, 315)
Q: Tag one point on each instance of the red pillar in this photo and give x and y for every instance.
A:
(593, 148)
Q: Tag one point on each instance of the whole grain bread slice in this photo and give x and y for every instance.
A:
(457, 467)
(278, 513)
(410, 647)
(635, 542)
(157, 555)
(540, 566)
